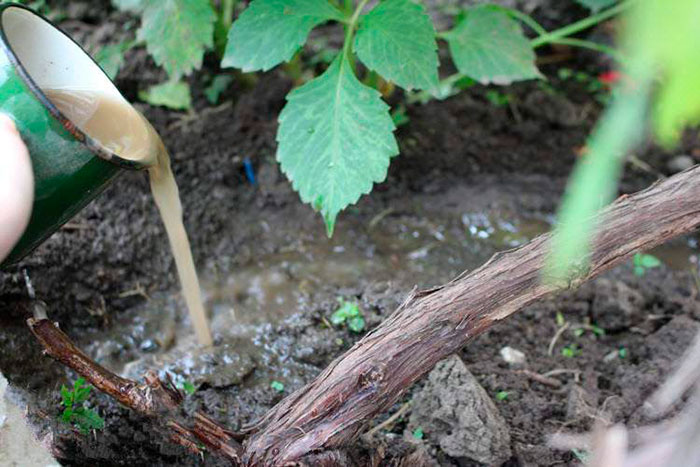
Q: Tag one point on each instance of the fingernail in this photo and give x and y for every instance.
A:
(7, 123)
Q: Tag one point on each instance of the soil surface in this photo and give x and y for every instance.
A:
(472, 179)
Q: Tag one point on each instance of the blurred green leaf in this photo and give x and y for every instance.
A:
(111, 57)
(594, 181)
(218, 85)
(171, 94)
(666, 34)
(132, 6)
(177, 32)
(596, 5)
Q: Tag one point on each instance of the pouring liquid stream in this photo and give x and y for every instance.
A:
(123, 130)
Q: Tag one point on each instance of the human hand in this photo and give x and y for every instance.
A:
(16, 186)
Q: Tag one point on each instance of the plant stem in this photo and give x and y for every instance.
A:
(227, 7)
(526, 19)
(350, 28)
(602, 48)
(578, 26)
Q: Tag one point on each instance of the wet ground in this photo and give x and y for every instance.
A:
(472, 179)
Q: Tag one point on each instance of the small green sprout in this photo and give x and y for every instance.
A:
(497, 99)
(218, 85)
(418, 433)
(348, 313)
(560, 319)
(75, 412)
(642, 262)
(277, 386)
(188, 387)
(570, 351)
(581, 455)
(596, 330)
(622, 352)
(502, 395)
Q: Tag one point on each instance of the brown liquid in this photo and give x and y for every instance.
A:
(122, 129)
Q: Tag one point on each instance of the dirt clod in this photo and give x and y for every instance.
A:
(455, 410)
(616, 306)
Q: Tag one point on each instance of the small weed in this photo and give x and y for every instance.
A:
(581, 455)
(188, 387)
(571, 351)
(348, 313)
(497, 99)
(622, 352)
(560, 319)
(418, 433)
(642, 262)
(75, 412)
(502, 395)
(596, 330)
(277, 386)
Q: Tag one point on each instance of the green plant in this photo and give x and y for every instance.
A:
(622, 352)
(348, 313)
(277, 386)
(571, 351)
(335, 136)
(418, 433)
(176, 34)
(75, 411)
(188, 387)
(673, 102)
(582, 455)
(502, 395)
(642, 262)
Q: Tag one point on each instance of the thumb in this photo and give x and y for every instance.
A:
(16, 186)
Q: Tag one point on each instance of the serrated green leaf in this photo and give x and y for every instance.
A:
(335, 140)
(132, 6)
(666, 33)
(269, 32)
(177, 32)
(397, 40)
(489, 46)
(596, 5)
(172, 94)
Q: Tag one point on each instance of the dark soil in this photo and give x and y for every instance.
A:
(472, 179)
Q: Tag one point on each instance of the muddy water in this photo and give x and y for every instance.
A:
(122, 129)
(378, 261)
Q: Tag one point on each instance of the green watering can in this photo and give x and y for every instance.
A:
(70, 167)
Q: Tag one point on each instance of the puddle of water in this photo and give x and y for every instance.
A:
(405, 249)
(679, 255)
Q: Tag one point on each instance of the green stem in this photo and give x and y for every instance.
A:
(578, 26)
(526, 19)
(227, 7)
(350, 28)
(602, 48)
